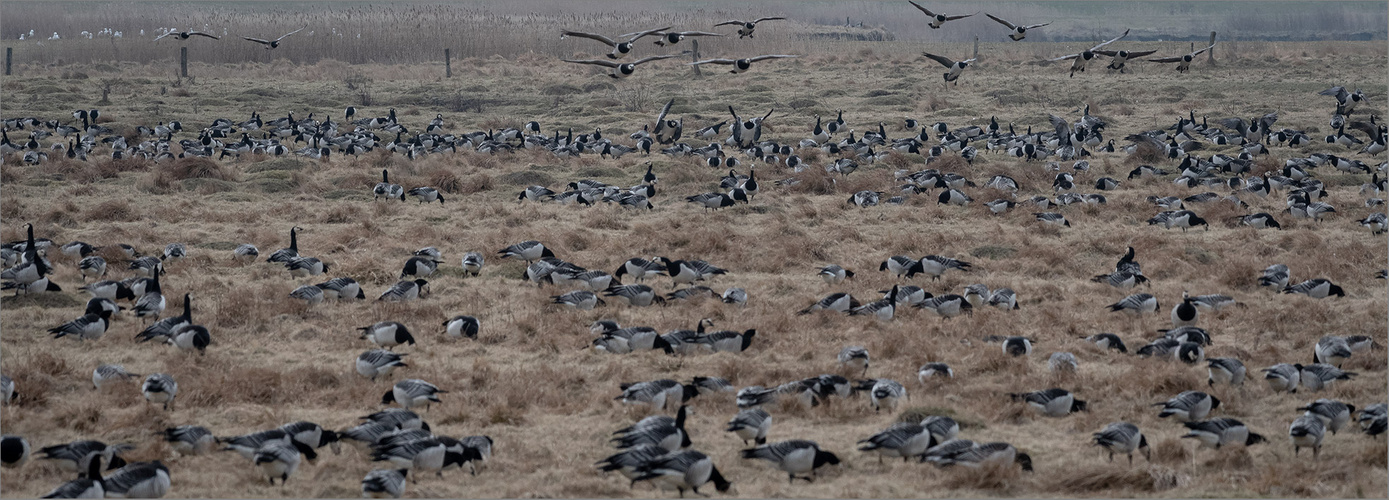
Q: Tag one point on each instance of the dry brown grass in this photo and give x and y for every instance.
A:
(527, 381)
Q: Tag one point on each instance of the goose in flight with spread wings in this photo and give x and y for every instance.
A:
(955, 67)
(745, 27)
(1183, 62)
(937, 20)
(183, 35)
(740, 65)
(272, 44)
(620, 70)
(1079, 60)
(620, 48)
(1019, 31)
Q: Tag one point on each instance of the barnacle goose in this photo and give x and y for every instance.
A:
(398, 417)
(462, 326)
(75, 457)
(840, 302)
(711, 385)
(1331, 350)
(977, 295)
(92, 325)
(342, 288)
(1307, 431)
(311, 294)
(977, 454)
(1317, 376)
(634, 295)
(1017, 346)
(420, 267)
(1052, 218)
(659, 430)
(88, 486)
(378, 362)
(426, 455)
(386, 189)
(883, 392)
(1108, 341)
(902, 439)
(728, 340)
(1123, 437)
(1188, 406)
(1185, 314)
(384, 483)
(146, 267)
(160, 388)
(1373, 420)
(138, 480)
(14, 451)
(92, 267)
(751, 425)
(174, 251)
(736, 296)
(190, 337)
(300, 267)
(1283, 377)
(1136, 304)
(190, 439)
(630, 460)
(1219, 432)
(882, 310)
(682, 271)
(411, 393)
(684, 470)
(245, 252)
(1225, 370)
(1317, 288)
(111, 290)
(1333, 414)
(948, 306)
(1004, 298)
(935, 266)
(278, 460)
(834, 274)
(582, 300)
(797, 456)
(1122, 280)
(1061, 362)
(855, 357)
(929, 370)
(284, 255)
(387, 334)
(639, 268)
(406, 290)
(7, 392)
(528, 251)
(659, 394)
(1053, 402)
(1275, 276)
(151, 304)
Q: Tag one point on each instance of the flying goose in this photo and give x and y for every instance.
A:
(160, 388)
(674, 37)
(411, 393)
(190, 439)
(1079, 60)
(1225, 370)
(1184, 61)
(1307, 431)
(1119, 58)
(378, 362)
(619, 70)
(797, 456)
(955, 67)
(1019, 31)
(384, 483)
(745, 28)
(183, 35)
(902, 439)
(405, 290)
(1051, 402)
(1123, 437)
(740, 65)
(1188, 406)
(751, 425)
(387, 334)
(620, 48)
(683, 470)
(937, 20)
(272, 44)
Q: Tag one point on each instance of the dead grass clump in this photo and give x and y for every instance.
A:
(195, 168)
(815, 181)
(1144, 153)
(110, 210)
(994, 475)
(1171, 452)
(1115, 478)
(476, 183)
(444, 180)
(81, 418)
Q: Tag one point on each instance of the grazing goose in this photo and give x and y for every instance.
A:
(639, 269)
(1318, 288)
(419, 267)
(110, 290)
(1226, 371)
(619, 70)
(1261, 220)
(1123, 437)
(301, 267)
(751, 425)
(683, 470)
(741, 65)
(937, 20)
(688, 272)
(978, 454)
(736, 296)
(882, 310)
(884, 393)
(1122, 280)
(1188, 406)
(1017, 346)
(405, 290)
(245, 252)
(728, 340)
(91, 325)
(310, 294)
(745, 28)
(834, 274)
(1331, 350)
(854, 357)
(1052, 218)
(92, 267)
(1183, 61)
(14, 451)
(1283, 377)
(151, 304)
(629, 461)
(977, 295)
(1275, 276)
(711, 385)
(1004, 298)
(935, 266)
(1307, 431)
(387, 334)
(1136, 304)
(378, 362)
(411, 393)
(1333, 414)
(1317, 376)
(190, 439)
(953, 75)
(88, 486)
(190, 337)
(160, 388)
(284, 255)
(620, 48)
(797, 456)
(1372, 419)
(902, 439)
(278, 459)
(426, 455)
(1054, 402)
(942, 429)
(459, 327)
(272, 44)
(1376, 222)
(930, 370)
(528, 251)
(342, 288)
(635, 295)
(1212, 302)
(1219, 432)
(7, 392)
(426, 194)
(138, 480)
(1108, 341)
(840, 302)
(384, 483)
(385, 189)
(901, 265)
(472, 263)
(1019, 32)
(1062, 362)
(1185, 313)
(658, 394)
(76, 457)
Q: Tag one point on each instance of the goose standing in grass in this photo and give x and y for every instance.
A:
(278, 460)
(420, 267)
(796, 456)
(1136, 304)
(412, 393)
(635, 295)
(1373, 420)
(529, 251)
(689, 271)
(151, 304)
(935, 266)
(1318, 288)
(1062, 362)
(160, 388)
(1053, 403)
(311, 294)
(1108, 341)
(840, 302)
(301, 267)
(1123, 437)
(379, 362)
(1275, 276)
(659, 394)
(111, 290)
(245, 252)
(619, 70)
(174, 252)
(629, 461)
(92, 267)
(683, 470)
(462, 326)
(977, 295)
(658, 430)
(138, 480)
(1219, 432)
(640, 269)
(405, 290)
(1307, 431)
(884, 393)
(978, 454)
(76, 456)
(854, 357)
(930, 370)
(14, 451)
(1331, 350)
(1185, 313)
(728, 340)
(1004, 298)
(902, 439)
(1017, 346)
(901, 265)
(472, 263)
(384, 483)
(882, 310)
(1318, 376)
(948, 306)
(190, 439)
(425, 455)
(1283, 377)
(284, 255)
(426, 194)
(387, 334)
(341, 288)
(834, 274)
(90, 326)
(751, 425)
(385, 189)
(1188, 406)
(736, 296)
(1333, 414)
(1228, 371)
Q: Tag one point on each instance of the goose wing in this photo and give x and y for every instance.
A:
(713, 61)
(768, 19)
(596, 62)
(591, 36)
(286, 35)
(923, 9)
(257, 40)
(944, 61)
(770, 56)
(632, 37)
(1112, 40)
(199, 33)
(1168, 59)
(1010, 26)
(729, 23)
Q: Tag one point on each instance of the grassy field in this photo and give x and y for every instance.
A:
(529, 383)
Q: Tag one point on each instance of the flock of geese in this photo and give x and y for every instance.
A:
(658, 448)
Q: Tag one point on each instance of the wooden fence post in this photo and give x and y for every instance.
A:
(9, 57)
(448, 66)
(694, 55)
(976, 47)
(1210, 54)
(183, 62)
